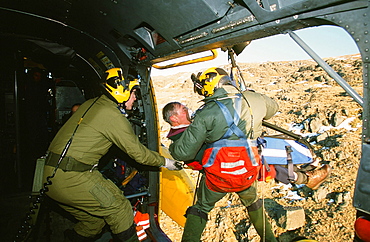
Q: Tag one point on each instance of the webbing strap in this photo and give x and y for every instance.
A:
(195, 211)
(238, 108)
(212, 157)
(290, 163)
(232, 143)
(233, 128)
(68, 163)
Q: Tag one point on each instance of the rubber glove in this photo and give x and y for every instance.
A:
(172, 165)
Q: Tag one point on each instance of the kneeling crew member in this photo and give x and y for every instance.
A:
(79, 188)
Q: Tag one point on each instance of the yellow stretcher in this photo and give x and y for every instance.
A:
(177, 192)
(177, 189)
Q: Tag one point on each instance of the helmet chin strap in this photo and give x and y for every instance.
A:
(122, 108)
(218, 85)
(121, 105)
(225, 80)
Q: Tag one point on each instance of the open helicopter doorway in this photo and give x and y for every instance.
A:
(313, 105)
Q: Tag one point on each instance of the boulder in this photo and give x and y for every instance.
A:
(291, 218)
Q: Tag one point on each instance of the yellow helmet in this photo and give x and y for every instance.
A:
(206, 82)
(119, 88)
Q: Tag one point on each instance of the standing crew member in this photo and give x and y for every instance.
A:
(229, 124)
(78, 187)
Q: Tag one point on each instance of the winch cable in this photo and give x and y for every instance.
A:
(236, 69)
(235, 75)
(26, 227)
(237, 85)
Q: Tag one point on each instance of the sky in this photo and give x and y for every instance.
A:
(326, 41)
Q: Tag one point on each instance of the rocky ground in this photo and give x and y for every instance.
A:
(313, 104)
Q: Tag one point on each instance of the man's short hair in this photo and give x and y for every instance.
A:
(169, 110)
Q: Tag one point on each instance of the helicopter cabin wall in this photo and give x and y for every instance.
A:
(31, 104)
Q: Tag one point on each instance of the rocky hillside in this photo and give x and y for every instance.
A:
(314, 105)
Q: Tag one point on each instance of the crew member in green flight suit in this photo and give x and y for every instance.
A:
(210, 125)
(78, 186)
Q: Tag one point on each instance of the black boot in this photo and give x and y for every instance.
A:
(128, 235)
(196, 221)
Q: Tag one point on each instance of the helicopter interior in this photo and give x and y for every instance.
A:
(72, 43)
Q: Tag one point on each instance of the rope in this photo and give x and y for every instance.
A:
(263, 205)
(196, 188)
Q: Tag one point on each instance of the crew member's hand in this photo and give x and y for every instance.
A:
(172, 165)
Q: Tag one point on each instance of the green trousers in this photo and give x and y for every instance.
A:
(262, 225)
(206, 200)
(193, 229)
(91, 199)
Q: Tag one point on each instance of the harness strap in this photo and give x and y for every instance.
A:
(129, 178)
(233, 128)
(261, 144)
(68, 163)
(238, 108)
(196, 212)
(247, 143)
(290, 163)
(212, 157)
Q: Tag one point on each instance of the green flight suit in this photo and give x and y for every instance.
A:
(92, 199)
(209, 125)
